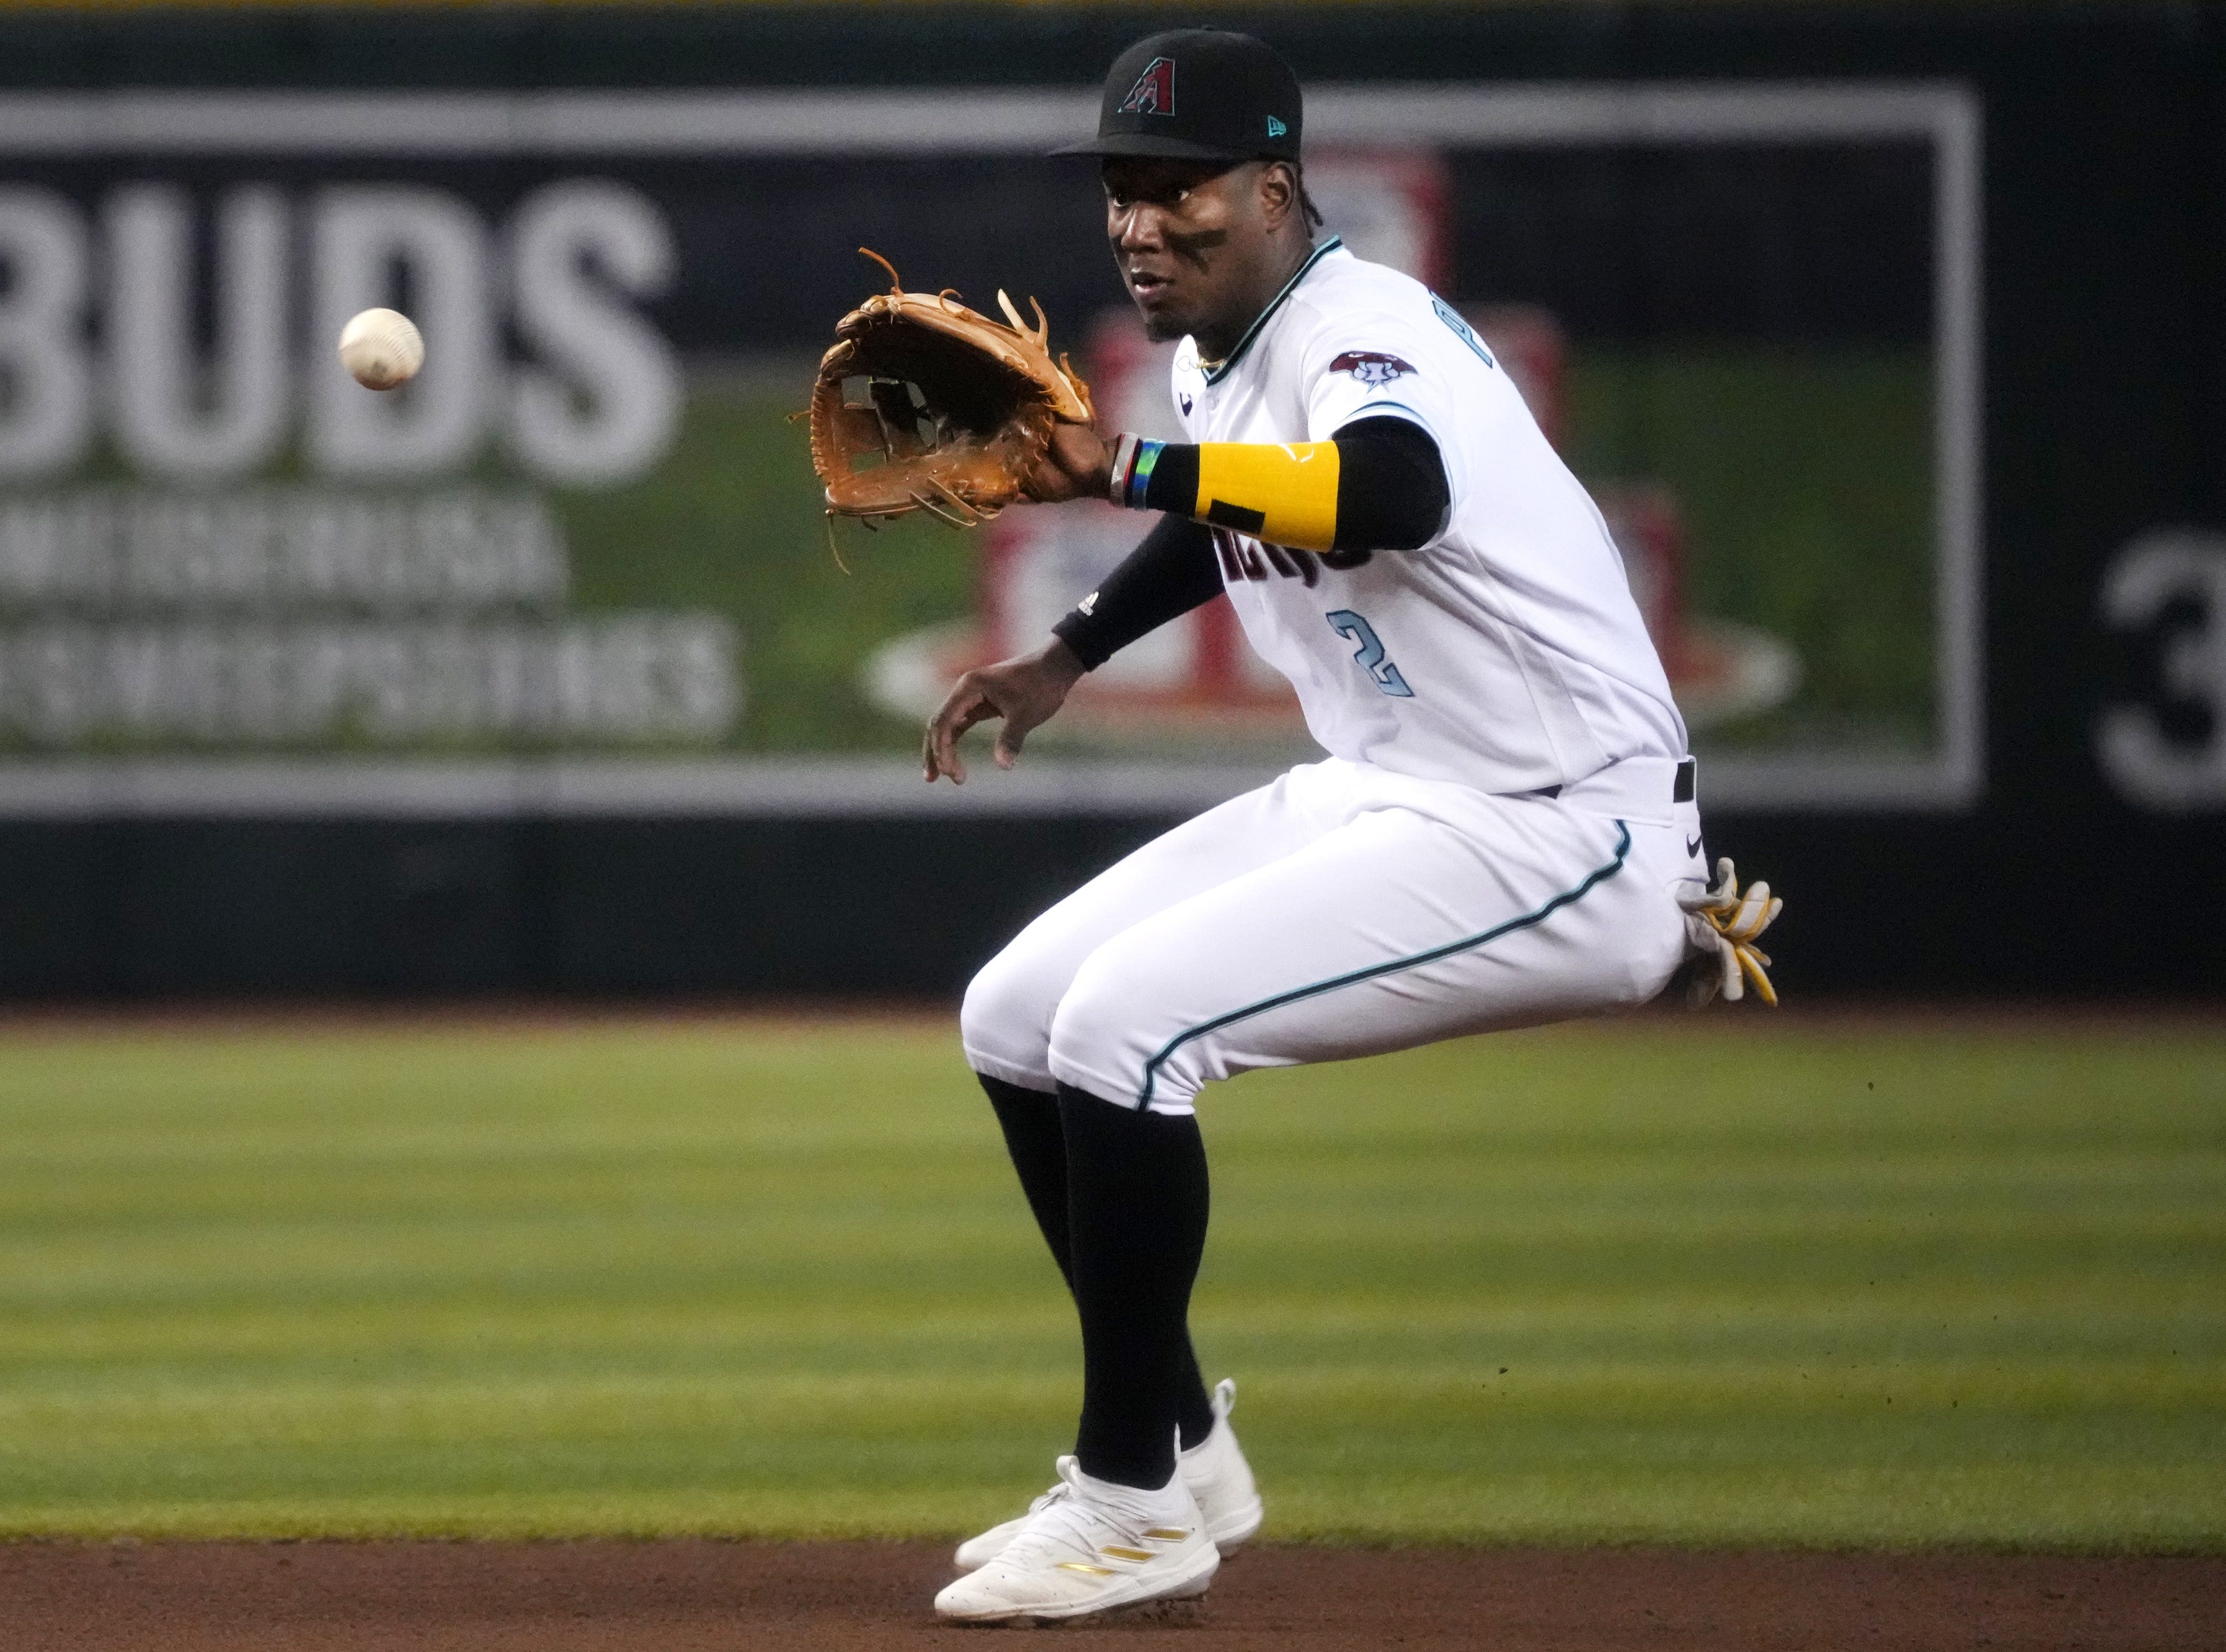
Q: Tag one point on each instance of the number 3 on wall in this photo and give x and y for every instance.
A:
(1370, 655)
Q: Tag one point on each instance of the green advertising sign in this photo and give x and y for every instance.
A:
(580, 558)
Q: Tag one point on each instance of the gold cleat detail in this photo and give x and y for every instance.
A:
(1167, 1534)
(1091, 1571)
(1119, 1554)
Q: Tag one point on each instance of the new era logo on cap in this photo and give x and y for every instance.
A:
(1154, 91)
(1275, 128)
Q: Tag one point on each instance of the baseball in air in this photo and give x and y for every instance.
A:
(381, 348)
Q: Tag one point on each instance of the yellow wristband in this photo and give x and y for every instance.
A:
(1283, 492)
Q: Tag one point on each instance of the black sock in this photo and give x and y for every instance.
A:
(1037, 1142)
(1136, 1215)
(1029, 1119)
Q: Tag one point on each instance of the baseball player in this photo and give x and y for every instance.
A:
(1499, 835)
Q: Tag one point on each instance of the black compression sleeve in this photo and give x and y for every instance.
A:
(1391, 492)
(1172, 571)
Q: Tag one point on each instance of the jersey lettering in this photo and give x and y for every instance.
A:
(1238, 559)
(1462, 329)
(1243, 557)
(1370, 655)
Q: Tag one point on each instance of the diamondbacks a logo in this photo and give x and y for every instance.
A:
(1154, 91)
(1371, 367)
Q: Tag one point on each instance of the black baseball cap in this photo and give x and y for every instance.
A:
(1198, 94)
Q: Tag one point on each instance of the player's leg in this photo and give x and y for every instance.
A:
(1006, 1026)
(1138, 1203)
(1397, 928)
(1006, 1021)
(1137, 1175)
(1036, 1140)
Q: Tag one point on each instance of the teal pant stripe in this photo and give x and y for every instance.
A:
(1600, 874)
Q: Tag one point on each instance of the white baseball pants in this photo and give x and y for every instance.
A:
(1341, 911)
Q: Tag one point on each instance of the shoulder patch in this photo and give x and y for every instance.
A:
(1462, 329)
(1372, 366)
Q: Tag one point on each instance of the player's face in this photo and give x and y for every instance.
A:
(1190, 239)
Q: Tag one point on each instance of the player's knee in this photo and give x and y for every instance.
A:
(1004, 1022)
(1103, 1025)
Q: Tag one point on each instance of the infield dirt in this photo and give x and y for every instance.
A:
(690, 1596)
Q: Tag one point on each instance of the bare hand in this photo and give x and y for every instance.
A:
(1076, 466)
(1025, 691)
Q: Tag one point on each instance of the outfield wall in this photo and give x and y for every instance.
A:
(1891, 340)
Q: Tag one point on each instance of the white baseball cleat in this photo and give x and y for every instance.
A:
(1089, 1548)
(1220, 1478)
(1214, 1469)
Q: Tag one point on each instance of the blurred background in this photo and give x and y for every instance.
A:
(1888, 338)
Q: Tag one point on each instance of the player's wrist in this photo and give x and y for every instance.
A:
(1128, 477)
(1060, 657)
(1077, 642)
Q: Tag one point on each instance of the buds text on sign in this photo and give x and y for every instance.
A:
(97, 323)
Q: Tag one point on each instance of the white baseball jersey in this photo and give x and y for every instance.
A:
(1507, 654)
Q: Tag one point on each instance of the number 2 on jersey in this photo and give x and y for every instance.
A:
(1370, 655)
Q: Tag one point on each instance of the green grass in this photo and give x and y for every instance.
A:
(1722, 1281)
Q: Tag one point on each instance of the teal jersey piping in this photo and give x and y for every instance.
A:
(1598, 875)
(1274, 304)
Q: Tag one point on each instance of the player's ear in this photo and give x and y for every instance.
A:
(1278, 188)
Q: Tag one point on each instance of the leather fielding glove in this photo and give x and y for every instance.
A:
(1721, 923)
(956, 411)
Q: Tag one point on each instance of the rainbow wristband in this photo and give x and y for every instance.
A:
(1133, 458)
